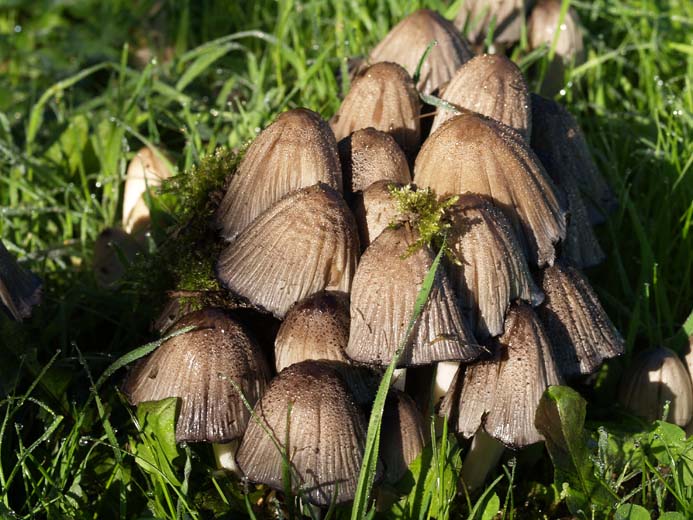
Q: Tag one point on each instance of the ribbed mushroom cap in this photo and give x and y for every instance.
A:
(309, 406)
(473, 153)
(382, 302)
(501, 394)
(199, 366)
(20, 289)
(114, 250)
(295, 151)
(543, 23)
(303, 244)
(493, 86)
(382, 97)
(401, 435)
(407, 42)
(374, 209)
(477, 15)
(369, 155)
(560, 144)
(656, 376)
(582, 335)
(492, 270)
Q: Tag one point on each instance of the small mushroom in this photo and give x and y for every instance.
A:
(375, 209)
(476, 17)
(401, 435)
(20, 289)
(295, 151)
(407, 42)
(114, 251)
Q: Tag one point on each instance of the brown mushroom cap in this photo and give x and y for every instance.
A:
(477, 15)
(582, 336)
(199, 366)
(303, 244)
(295, 151)
(407, 42)
(544, 22)
(501, 394)
(472, 153)
(401, 435)
(114, 250)
(492, 271)
(316, 423)
(382, 97)
(493, 86)
(382, 303)
(20, 289)
(374, 209)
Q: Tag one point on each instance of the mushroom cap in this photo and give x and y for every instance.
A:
(657, 375)
(199, 366)
(473, 153)
(544, 22)
(303, 244)
(493, 86)
(477, 16)
(383, 97)
(369, 155)
(114, 250)
(310, 414)
(580, 246)
(20, 289)
(492, 271)
(401, 435)
(297, 150)
(407, 42)
(375, 209)
(501, 394)
(383, 297)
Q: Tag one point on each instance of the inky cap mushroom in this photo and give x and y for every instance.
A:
(20, 289)
(375, 209)
(401, 435)
(114, 251)
(507, 16)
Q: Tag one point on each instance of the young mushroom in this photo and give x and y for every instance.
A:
(476, 18)
(114, 251)
(20, 289)
(375, 209)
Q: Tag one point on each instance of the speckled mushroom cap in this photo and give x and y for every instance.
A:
(303, 244)
(382, 97)
(199, 366)
(114, 251)
(582, 335)
(375, 209)
(493, 86)
(384, 293)
(407, 42)
(472, 153)
(491, 270)
(501, 394)
(315, 421)
(20, 289)
(476, 16)
(401, 435)
(295, 151)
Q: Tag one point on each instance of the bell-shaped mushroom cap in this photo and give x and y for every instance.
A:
(543, 23)
(476, 154)
(20, 289)
(561, 146)
(375, 209)
(580, 246)
(508, 15)
(303, 244)
(407, 42)
(582, 336)
(308, 414)
(382, 97)
(114, 251)
(369, 155)
(492, 270)
(656, 376)
(501, 394)
(491, 85)
(295, 151)
(401, 435)
(386, 285)
(199, 366)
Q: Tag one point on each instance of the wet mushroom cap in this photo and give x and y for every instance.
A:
(401, 435)
(477, 15)
(114, 251)
(544, 22)
(375, 209)
(20, 289)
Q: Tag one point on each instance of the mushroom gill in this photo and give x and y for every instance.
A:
(507, 16)
(20, 289)
(375, 209)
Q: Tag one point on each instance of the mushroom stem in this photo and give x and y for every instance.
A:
(482, 457)
(399, 378)
(445, 373)
(225, 455)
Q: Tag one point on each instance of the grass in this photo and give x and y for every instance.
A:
(75, 106)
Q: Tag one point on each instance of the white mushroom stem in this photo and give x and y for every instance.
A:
(483, 456)
(399, 378)
(445, 373)
(225, 455)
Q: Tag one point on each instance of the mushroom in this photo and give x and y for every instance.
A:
(473, 153)
(476, 17)
(401, 435)
(493, 86)
(212, 368)
(582, 336)
(303, 244)
(309, 419)
(408, 41)
(20, 289)
(114, 251)
(375, 209)
(295, 151)
(382, 97)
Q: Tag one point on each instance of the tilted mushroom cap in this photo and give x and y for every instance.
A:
(477, 15)
(375, 209)
(501, 394)
(407, 42)
(491, 85)
(295, 151)
(382, 97)
(315, 421)
(476, 154)
(401, 435)
(492, 270)
(656, 376)
(382, 303)
(199, 366)
(20, 289)
(303, 244)
(369, 155)
(582, 336)
(543, 23)
(114, 250)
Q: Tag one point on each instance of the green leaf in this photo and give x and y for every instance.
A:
(631, 512)
(491, 508)
(667, 442)
(671, 515)
(69, 147)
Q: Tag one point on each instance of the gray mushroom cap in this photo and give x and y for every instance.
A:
(114, 251)
(375, 209)
(199, 366)
(401, 435)
(476, 16)
(20, 289)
